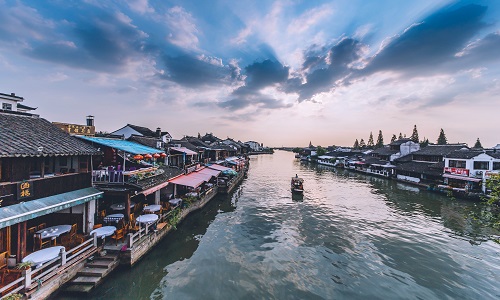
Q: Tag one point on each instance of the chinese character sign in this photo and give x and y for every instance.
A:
(457, 171)
(24, 190)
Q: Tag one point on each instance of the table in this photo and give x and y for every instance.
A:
(42, 256)
(121, 205)
(175, 202)
(113, 218)
(104, 231)
(54, 231)
(147, 219)
(152, 208)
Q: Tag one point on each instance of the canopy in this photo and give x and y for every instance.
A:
(184, 150)
(208, 171)
(24, 211)
(462, 177)
(218, 167)
(127, 146)
(187, 180)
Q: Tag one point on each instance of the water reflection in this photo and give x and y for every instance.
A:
(351, 236)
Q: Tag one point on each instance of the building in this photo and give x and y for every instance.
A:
(129, 130)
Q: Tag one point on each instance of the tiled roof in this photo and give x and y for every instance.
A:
(197, 142)
(184, 143)
(421, 167)
(145, 140)
(439, 149)
(168, 173)
(384, 151)
(24, 135)
(463, 154)
(142, 130)
(399, 142)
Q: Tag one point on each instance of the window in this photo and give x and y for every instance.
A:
(6, 106)
(481, 165)
(456, 164)
(496, 165)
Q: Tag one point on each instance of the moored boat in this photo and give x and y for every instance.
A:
(297, 184)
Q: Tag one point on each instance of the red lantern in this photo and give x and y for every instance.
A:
(138, 157)
(156, 155)
(163, 155)
(148, 156)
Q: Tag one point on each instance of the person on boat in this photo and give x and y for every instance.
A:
(296, 176)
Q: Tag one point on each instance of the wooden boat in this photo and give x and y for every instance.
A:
(297, 185)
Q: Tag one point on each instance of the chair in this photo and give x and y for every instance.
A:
(41, 226)
(31, 235)
(38, 241)
(101, 215)
(68, 238)
(119, 235)
(132, 225)
(3, 259)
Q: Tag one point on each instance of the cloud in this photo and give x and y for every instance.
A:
(105, 43)
(183, 31)
(140, 6)
(430, 43)
(192, 71)
(309, 19)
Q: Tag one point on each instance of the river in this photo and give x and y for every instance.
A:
(352, 236)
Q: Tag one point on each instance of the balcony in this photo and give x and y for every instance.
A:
(44, 187)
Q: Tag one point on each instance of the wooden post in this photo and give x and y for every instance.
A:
(22, 235)
(27, 278)
(127, 207)
(63, 256)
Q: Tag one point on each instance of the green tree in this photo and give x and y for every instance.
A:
(414, 135)
(424, 143)
(370, 143)
(442, 140)
(394, 138)
(400, 137)
(478, 144)
(493, 184)
(320, 151)
(356, 144)
(380, 140)
(362, 144)
(296, 150)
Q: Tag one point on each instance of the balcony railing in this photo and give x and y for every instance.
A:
(118, 176)
(45, 187)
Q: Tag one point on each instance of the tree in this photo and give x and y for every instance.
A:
(394, 138)
(320, 151)
(356, 144)
(400, 136)
(442, 138)
(380, 140)
(493, 184)
(414, 135)
(370, 143)
(478, 144)
(362, 144)
(424, 143)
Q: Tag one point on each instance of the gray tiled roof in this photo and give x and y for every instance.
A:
(439, 149)
(145, 140)
(464, 154)
(143, 130)
(23, 135)
(384, 151)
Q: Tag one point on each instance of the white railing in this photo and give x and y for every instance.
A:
(32, 279)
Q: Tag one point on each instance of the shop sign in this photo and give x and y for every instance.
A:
(457, 171)
(24, 190)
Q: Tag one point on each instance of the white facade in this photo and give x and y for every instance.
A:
(405, 149)
(9, 102)
(479, 166)
(254, 146)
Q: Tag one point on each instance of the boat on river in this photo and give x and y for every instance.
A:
(297, 184)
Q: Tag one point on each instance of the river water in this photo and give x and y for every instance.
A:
(352, 236)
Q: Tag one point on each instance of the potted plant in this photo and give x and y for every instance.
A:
(15, 296)
(24, 265)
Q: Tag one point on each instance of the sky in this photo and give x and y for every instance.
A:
(283, 73)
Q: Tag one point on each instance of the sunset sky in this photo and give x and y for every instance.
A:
(277, 72)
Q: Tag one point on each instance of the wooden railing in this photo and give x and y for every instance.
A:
(34, 279)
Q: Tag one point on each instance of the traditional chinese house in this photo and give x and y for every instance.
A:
(45, 180)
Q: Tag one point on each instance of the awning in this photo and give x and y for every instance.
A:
(155, 188)
(203, 176)
(127, 146)
(209, 171)
(187, 180)
(218, 167)
(462, 177)
(24, 211)
(184, 150)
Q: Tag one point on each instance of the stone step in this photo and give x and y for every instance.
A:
(96, 263)
(111, 257)
(88, 271)
(79, 288)
(86, 280)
